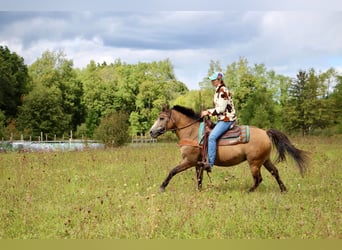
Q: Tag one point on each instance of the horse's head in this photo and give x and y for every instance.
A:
(163, 123)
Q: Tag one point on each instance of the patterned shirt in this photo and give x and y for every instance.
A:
(224, 105)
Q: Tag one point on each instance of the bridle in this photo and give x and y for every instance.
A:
(175, 128)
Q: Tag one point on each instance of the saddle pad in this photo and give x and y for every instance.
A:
(200, 135)
(239, 134)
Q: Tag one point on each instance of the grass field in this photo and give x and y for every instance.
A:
(113, 194)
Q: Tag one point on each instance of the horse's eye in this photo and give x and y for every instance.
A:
(161, 118)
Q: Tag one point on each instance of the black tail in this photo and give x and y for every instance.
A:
(283, 146)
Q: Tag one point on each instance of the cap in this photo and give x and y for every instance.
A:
(216, 75)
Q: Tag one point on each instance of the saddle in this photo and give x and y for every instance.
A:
(237, 134)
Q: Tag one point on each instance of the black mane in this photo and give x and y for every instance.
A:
(187, 111)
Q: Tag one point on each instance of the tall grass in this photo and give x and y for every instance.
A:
(113, 194)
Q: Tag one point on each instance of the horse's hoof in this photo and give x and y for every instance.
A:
(161, 190)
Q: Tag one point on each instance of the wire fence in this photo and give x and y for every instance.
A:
(143, 139)
(67, 145)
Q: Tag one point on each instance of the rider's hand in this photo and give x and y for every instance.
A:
(204, 113)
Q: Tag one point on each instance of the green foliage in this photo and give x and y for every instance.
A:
(306, 107)
(135, 124)
(14, 81)
(336, 105)
(42, 112)
(82, 131)
(2, 124)
(138, 90)
(197, 100)
(113, 129)
(254, 93)
(259, 110)
(91, 122)
(213, 66)
(84, 96)
(53, 71)
(158, 88)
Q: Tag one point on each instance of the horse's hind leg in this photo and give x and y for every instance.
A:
(255, 169)
(274, 171)
(199, 176)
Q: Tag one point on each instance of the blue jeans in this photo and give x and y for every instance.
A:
(218, 130)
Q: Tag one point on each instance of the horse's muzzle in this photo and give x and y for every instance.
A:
(156, 133)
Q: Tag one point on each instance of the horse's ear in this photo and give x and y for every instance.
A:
(165, 107)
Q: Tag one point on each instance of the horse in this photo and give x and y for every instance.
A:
(185, 123)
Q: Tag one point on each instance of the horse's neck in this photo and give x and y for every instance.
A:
(190, 132)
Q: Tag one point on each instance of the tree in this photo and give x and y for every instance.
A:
(137, 90)
(2, 124)
(197, 100)
(240, 81)
(42, 111)
(54, 71)
(213, 66)
(259, 109)
(91, 98)
(113, 129)
(150, 97)
(14, 81)
(253, 93)
(159, 86)
(307, 108)
(107, 88)
(135, 124)
(336, 105)
(296, 114)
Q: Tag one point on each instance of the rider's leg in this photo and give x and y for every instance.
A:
(219, 129)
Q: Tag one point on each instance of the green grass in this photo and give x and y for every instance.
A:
(114, 194)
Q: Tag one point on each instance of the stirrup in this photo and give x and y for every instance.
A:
(206, 166)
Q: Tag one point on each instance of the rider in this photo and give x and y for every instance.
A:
(224, 111)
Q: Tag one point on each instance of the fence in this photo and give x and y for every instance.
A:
(143, 139)
(69, 145)
(59, 145)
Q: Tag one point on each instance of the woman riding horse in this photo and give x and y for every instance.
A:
(185, 123)
(224, 111)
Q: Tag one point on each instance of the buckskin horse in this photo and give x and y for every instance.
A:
(186, 124)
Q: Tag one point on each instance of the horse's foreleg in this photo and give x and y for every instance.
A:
(181, 167)
(168, 178)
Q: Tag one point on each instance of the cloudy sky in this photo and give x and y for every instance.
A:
(284, 39)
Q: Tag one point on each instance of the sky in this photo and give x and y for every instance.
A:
(285, 37)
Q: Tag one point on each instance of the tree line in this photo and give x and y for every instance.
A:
(112, 101)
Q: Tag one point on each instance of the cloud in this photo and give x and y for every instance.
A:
(175, 5)
(318, 31)
(285, 41)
